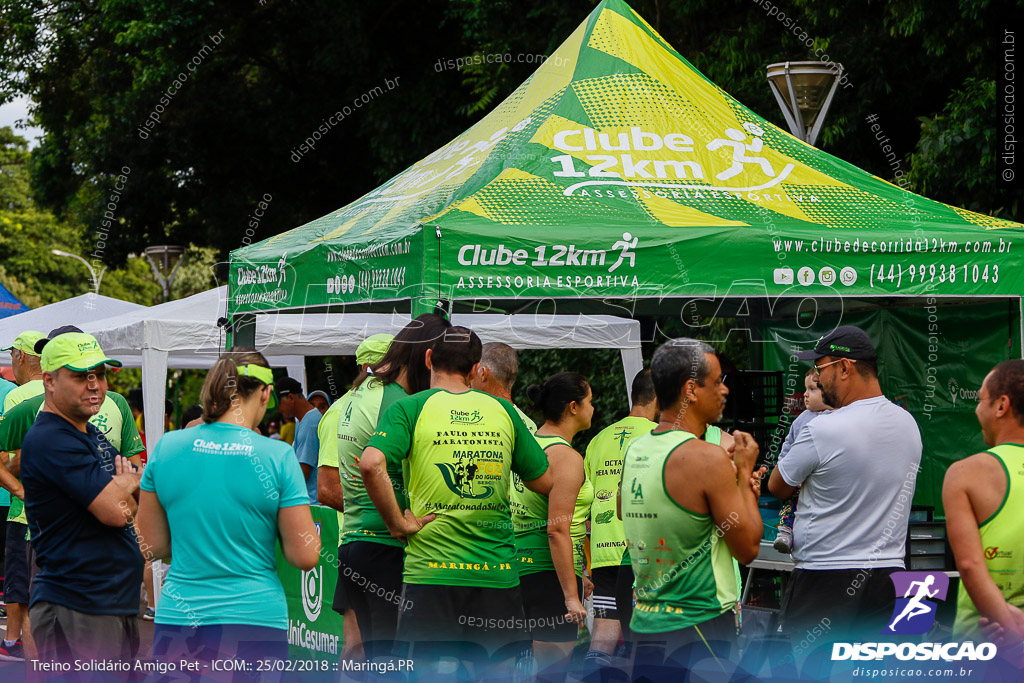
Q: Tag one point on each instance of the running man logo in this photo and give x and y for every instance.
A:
(915, 611)
(313, 589)
(466, 417)
(461, 479)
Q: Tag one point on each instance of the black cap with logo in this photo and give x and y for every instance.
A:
(846, 341)
(287, 385)
(55, 333)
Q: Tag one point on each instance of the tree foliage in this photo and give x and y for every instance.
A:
(35, 275)
(232, 89)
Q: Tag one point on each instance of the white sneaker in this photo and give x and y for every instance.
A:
(784, 541)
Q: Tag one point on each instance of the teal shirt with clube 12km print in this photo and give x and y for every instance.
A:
(221, 486)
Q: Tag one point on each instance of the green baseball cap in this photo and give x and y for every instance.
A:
(26, 342)
(74, 350)
(373, 348)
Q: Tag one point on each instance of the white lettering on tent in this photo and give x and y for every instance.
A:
(631, 169)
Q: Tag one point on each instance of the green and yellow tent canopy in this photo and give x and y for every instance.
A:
(618, 171)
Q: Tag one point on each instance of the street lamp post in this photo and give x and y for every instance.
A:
(165, 261)
(96, 277)
(804, 91)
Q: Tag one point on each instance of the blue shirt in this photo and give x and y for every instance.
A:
(307, 448)
(84, 564)
(5, 388)
(221, 486)
(797, 428)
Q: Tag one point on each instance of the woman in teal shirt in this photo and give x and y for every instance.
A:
(217, 497)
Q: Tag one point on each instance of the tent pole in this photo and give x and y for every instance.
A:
(632, 363)
(154, 393)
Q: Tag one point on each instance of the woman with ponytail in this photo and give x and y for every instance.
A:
(551, 532)
(217, 497)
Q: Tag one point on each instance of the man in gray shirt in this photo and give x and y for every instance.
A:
(858, 467)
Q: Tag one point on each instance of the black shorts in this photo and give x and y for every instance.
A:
(370, 575)
(16, 567)
(544, 607)
(624, 598)
(340, 604)
(852, 602)
(662, 656)
(606, 591)
(468, 622)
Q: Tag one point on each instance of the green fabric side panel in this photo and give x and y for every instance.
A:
(1015, 331)
(932, 361)
(386, 266)
(314, 629)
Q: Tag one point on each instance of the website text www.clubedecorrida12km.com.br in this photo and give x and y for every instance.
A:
(909, 271)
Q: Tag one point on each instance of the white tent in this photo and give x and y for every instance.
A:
(178, 334)
(185, 334)
(77, 311)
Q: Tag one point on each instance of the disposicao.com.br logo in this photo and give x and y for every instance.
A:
(914, 614)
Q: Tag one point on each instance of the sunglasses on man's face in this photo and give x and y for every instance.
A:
(819, 368)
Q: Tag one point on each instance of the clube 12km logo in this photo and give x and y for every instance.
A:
(917, 594)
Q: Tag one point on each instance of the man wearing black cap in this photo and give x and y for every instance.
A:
(295, 405)
(858, 467)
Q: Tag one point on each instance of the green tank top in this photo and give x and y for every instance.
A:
(727, 569)
(670, 546)
(1002, 537)
(530, 521)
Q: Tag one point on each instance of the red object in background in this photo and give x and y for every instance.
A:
(7, 373)
(144, 454)
(794, 404)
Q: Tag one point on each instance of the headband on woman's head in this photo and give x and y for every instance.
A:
(262, 374)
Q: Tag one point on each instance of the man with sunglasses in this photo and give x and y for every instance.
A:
(80, 496)
(858, 467)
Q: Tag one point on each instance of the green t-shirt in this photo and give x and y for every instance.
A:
(28, 390)
(578, 528)
(603, 464)
(460, 451)
(23, 393)
(114, 420)
(5, 388)
(327, 434)
(356, 418)
(530, 424)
